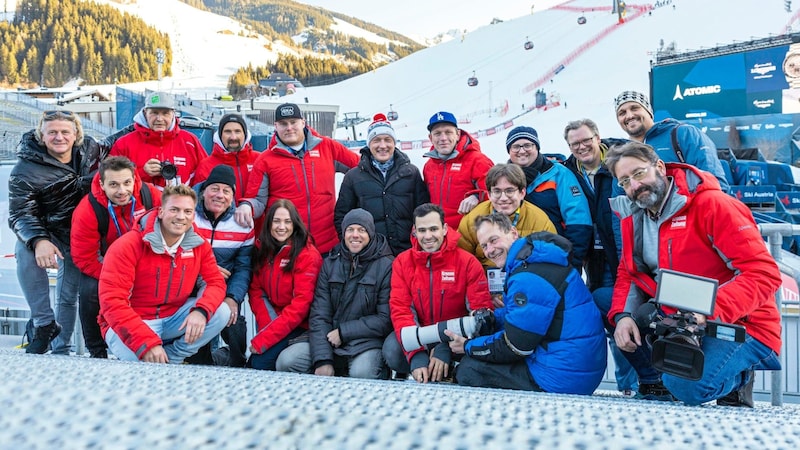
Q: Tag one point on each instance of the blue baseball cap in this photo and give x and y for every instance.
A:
(442, 117)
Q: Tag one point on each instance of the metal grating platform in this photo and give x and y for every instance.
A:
(51, 402)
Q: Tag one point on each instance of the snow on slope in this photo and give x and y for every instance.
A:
(436, 78)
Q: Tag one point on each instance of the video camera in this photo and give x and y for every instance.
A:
(480, 323)
(168, 170)
(677, 338)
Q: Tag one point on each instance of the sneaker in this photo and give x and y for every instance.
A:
(42, 337)
(628, 393)
(221, 356)
(654, 391)
(742, 397)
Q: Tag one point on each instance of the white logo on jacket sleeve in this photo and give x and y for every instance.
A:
(449, 276)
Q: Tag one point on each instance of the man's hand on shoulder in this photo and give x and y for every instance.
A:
(156, 355)
(244, 215)
(467, 204)
(195, 325)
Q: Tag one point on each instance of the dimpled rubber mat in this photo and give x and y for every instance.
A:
(57, 402)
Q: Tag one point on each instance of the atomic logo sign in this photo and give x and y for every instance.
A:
(695, 91)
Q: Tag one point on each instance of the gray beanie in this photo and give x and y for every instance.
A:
(361, 217)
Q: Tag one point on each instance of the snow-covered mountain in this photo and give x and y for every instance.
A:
(585, 66)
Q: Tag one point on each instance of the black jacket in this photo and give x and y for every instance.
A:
(43, 192)
(600, 208)
(391, 201)
(352, 295)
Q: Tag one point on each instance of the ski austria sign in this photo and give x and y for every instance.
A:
(755, 82)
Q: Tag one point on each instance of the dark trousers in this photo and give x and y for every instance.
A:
(267, 360)
(471, 372)
(88, 310)
(233, 356)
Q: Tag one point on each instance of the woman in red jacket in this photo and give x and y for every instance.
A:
(285, 269)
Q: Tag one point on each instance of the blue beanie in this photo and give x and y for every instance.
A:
(522, 133)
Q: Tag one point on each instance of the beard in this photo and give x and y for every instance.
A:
(655, 194)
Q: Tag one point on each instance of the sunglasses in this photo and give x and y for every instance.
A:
(57, 112)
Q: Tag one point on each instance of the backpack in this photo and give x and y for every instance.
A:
(676, 146)
(102, 214)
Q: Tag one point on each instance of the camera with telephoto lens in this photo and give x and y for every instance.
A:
(168, 170)
(481, 323)
(677, 338)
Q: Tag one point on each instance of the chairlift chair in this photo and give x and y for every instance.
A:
(473, 80)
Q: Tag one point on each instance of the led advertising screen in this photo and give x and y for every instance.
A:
(755, 82)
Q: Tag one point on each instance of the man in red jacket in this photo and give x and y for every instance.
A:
(456, 169)
(163, 153)
(232, 147)
(675, 216)
(148, 308)
(299, 166)
(434, 280)
(117, 192)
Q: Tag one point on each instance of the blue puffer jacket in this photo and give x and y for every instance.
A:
(567, 345)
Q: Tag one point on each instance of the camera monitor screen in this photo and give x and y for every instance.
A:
(687, 292)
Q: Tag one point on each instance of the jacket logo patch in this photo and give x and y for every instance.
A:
(448, 276)
(284, 262)
(456, 167)
(187, 253)
(314, 153)
(179, 160)
(576, 191)
(520, 299)
(678, 222)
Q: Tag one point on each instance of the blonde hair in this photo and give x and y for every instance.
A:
(69, 116)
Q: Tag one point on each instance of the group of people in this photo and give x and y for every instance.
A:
(162, 243)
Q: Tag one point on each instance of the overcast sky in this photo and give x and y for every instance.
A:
(427, 18)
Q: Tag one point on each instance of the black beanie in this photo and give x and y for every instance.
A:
(221, 174)
(232, 118)
(360, 217)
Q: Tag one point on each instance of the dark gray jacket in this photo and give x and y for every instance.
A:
(352, 295)
(391, 201)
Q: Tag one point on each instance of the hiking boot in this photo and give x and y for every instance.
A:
(742, 397)
(654, 391)
(42, 337)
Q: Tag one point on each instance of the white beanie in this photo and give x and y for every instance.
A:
(380, 126)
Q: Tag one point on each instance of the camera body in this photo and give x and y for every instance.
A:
(480, 323)
(677, 338)
(675, 344)
(168, 170)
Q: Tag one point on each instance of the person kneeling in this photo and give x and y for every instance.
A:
(147, 311)
(549, 335)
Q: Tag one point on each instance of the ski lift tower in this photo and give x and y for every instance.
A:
(351, 119)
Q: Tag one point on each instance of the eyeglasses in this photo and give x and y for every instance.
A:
(497, 193)
(638, 175)
(584, 143)
(517, 147)
(57, 112)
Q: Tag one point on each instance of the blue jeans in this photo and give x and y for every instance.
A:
(722, 373)
(168, 328)
(624, 372)
(35, 286)
(268, 359)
